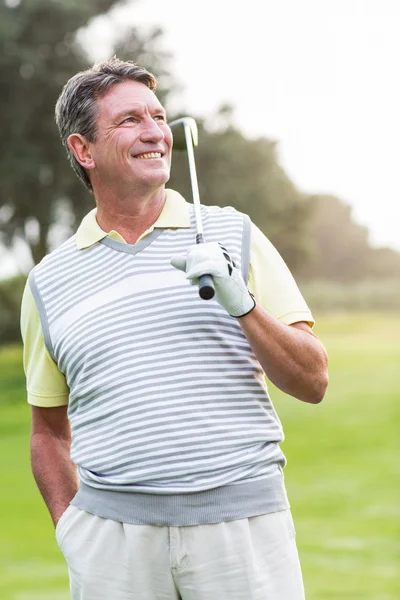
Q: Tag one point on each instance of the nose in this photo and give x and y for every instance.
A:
(151, 132)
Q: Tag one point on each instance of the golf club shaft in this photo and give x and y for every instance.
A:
(206, 284)
(193, 180)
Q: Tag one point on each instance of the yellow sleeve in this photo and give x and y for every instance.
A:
(46, 385)
(272, 283)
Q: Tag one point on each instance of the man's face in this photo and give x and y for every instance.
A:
(133, 144)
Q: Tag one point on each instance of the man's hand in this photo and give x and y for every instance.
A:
(213, 259)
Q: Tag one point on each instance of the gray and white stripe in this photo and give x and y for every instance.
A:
(166, 395)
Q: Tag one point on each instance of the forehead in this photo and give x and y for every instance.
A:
(125, 96)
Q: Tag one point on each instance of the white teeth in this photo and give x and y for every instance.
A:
(150, 155)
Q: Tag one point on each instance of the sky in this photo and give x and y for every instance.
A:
(320, 76)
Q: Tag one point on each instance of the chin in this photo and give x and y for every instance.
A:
(156, 179)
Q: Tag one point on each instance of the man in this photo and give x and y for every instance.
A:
(159, 397)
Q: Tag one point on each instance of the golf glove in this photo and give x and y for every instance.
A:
(213, 259)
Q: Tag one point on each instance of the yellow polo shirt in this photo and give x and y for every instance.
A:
(269, 280)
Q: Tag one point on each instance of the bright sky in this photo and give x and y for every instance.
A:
(320, 76)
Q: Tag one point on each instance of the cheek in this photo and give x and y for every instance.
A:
(167, 133)
(114, 148)
(124, 141)
(168, 143)
(168, 138)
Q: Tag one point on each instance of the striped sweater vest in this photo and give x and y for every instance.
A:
(170, 416)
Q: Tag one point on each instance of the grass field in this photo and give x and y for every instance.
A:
(342, 474)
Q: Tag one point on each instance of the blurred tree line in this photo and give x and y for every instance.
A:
(42, 202)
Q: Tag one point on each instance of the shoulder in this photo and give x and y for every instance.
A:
(67, 247)
(65, 250)
(223, 215)
(261, 246)
(221, 211)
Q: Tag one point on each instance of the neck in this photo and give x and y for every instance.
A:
(130, 216)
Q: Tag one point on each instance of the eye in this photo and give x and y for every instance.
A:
(160, 117)
(129, 120)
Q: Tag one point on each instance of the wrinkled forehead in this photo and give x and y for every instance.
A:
(127, 96)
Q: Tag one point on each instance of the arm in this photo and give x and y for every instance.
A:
(291, 355)
(48, 394)
(53, 470)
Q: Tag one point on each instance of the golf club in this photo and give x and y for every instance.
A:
(185, 138)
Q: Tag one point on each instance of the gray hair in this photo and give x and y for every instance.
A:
(77, 108)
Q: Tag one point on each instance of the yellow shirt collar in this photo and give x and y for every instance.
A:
(175, 213)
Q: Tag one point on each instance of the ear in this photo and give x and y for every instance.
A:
(80, 148)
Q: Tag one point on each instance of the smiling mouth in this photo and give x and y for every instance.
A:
(147, 155)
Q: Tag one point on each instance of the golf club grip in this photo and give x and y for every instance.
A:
(206, 287)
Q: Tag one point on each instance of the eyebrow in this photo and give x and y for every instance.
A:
(136, 111)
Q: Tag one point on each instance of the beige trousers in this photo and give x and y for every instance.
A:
(247, 559)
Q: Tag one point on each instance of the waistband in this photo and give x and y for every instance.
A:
(227, 503)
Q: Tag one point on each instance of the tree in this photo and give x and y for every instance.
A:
(39, 190)
(39, 53)
(246, 174)
(341, 247)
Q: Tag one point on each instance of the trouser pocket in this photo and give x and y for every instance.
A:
(63, 523)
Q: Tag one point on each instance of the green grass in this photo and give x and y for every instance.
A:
(342, 474)
(343, 470)
(31, 566)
